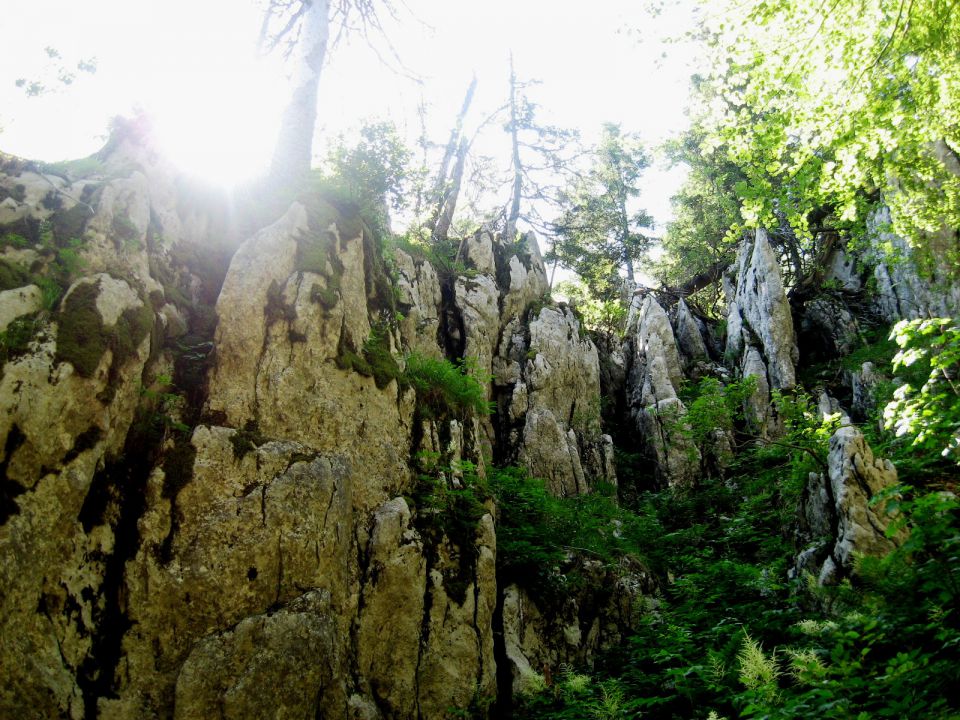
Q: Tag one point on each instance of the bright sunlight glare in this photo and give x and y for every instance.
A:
(221, 126)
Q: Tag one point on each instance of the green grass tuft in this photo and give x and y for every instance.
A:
(444, 388)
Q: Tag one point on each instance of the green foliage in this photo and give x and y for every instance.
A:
(822, 107)
(15, 240)
(706, 225)
(441, 253)
(594, 313)
(126, 232)
(373, 172)
(599, 233)
(163, 405)
(449, 502)
(731, 636)
(713, 406)
(930, 414)
(444, 388)
(536, 531)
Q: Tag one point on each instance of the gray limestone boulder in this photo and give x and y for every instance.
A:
(655, 376)
(760, 312)
(838, 521)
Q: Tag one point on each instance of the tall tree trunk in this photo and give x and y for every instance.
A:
(294, 151)
(441, 187)
(449, 205)
(625, 237)
(514, 212)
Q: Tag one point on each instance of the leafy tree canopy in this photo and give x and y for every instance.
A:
(373, 170)
(823, 108)
(599, 233)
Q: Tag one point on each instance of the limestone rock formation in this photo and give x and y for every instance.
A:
(549, 375)
(902, 291)
(542, 634)
(205, 523)
(828, 328)
(655, 375)
(760, 313)
(837, 519)
(420, 298)
(69, 391)
(693, 349)
(760, 334)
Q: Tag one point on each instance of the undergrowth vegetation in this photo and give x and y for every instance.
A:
(446, 388)
(735, 633)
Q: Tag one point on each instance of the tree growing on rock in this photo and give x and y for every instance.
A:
(599, 232)
(542, 159)
(300, 30)
(373, 171)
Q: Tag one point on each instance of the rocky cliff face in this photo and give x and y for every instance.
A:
(216, 486)
(212, 515)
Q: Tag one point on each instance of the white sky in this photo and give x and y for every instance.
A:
(192, 64)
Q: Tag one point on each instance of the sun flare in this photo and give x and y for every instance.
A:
(220, 125)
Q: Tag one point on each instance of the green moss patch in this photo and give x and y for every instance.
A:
(374, 360)
(70, 224)
(15, 340)
(125, 233)
(82, 338)
(326, 297)
(13, 275)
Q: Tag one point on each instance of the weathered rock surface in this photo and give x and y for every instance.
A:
(550, 379)
(760, 334)
(902, 290)
(838, 523)
(543, 634)
(66, 402)
(827, 328)
(655, 375)
(420, 299)
(255, 565)
(693, 349)
(759, 312)
(18, 302)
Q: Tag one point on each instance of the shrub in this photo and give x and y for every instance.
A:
(928, 415)
(445, 388)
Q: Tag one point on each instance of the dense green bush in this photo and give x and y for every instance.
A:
(443, 387)
(732, 636)
(928, 414)
(537, 531)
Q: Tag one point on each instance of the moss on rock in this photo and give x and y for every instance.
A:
(82, 337)
(15, 340)
(13, 275)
